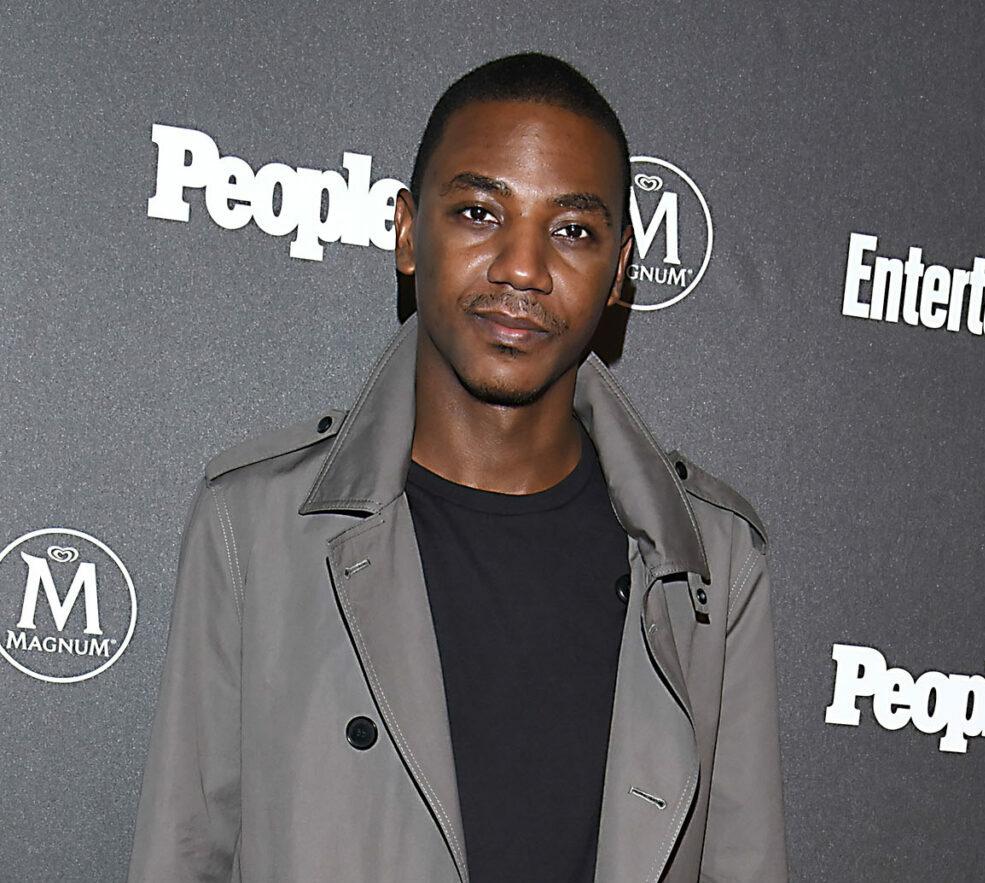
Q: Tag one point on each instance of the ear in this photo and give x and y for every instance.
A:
(403, 225)
(625, 252)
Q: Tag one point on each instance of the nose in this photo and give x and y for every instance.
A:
(521, 260)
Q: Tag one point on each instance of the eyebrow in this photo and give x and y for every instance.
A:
(586, 202)
(473, 181)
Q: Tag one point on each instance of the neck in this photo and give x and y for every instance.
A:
(509, 450)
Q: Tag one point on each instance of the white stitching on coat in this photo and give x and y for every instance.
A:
(674, 828)
(234, 571)
(740, 581)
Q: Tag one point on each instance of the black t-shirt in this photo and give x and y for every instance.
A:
(528, 626)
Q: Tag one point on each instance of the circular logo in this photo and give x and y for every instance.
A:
(673, 232)
(67, 605)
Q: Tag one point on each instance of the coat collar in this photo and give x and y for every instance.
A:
(367, 465)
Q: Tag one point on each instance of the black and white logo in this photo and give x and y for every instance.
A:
(952, 705)
(889, 289)
(317, 206)
(67, 605)
(673, 232)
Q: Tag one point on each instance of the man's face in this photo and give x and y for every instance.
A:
(516, 246)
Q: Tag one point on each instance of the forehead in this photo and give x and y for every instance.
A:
(530, 146)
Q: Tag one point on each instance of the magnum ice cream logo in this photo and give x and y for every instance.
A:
(67, 605)
(673, 232)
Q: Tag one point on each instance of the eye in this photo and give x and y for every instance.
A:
(574, 231)
(477, 214)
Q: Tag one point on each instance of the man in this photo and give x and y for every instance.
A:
(479, 628)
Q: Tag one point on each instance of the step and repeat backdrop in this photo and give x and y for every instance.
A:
(807, 323)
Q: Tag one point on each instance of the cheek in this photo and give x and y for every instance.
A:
(448, 271)
(588, 283)
(594, 264)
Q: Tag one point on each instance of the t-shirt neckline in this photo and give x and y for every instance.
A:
(509, 504)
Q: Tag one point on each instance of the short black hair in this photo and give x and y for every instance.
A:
(529, 76)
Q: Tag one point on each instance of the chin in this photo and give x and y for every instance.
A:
(501, 392)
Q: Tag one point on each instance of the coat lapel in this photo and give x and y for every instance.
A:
(378, 581)
(377, 577)
(652, 767)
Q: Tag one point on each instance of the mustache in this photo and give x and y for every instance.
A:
(518, 305)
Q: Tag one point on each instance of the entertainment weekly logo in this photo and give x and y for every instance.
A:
(67, 605)
(887, 289)
(934, 702)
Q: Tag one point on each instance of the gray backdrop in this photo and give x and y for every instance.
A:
(134, 348)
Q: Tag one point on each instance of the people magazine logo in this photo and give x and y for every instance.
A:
(673, 232)
(67, 605)
(952, 705)
(318, 206)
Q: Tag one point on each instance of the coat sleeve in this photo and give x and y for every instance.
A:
(188, 820)
(745, 840)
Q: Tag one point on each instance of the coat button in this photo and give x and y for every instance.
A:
(681, 469)
(325, 423)
(361, 732)
(622, 588)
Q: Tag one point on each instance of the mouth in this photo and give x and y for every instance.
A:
(506, 328)
(508, 320)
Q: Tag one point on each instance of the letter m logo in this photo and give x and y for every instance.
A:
(665, 212)
(39, 574)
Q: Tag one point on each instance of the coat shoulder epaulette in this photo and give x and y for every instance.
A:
(276, 442)
(715, 491)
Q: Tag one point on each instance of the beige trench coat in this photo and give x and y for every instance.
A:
(300, 604)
